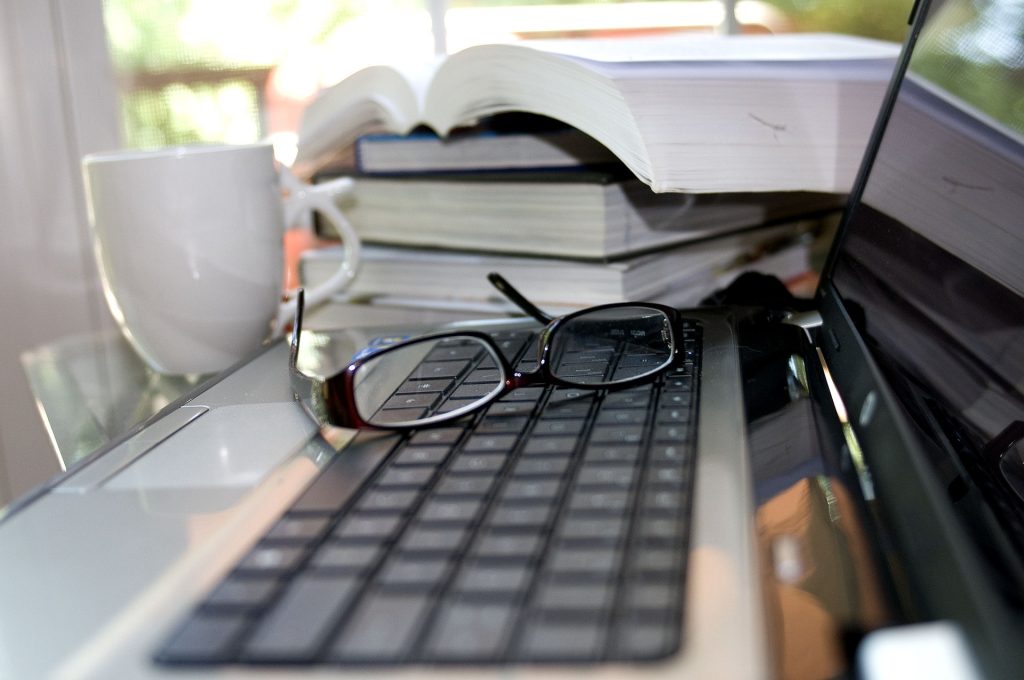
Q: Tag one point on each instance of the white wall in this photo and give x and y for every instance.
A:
(57, 102)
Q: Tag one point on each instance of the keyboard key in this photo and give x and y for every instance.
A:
(301, 621)
(381, 499)
(541, 446)
(575, 598)
(664, 596)
(543, 467)
(454, 352)
(398, 415)
(470, 631)
(578, 373)
(531, 490)
(493, 579)
(461, 511)
(436, 436)
(421, 455)
(415, 400)
(621, 417)
(423, 386)
(416, 477)
(617, 434)
(596, 355)
(420, 539)
(631, 398)
(563, 427)
(655, 562)
(496, 424)
(455, 404)
(352, 559)
(599, 503)
(489, 375)
(438, 370)
(205, 638)
(520, 517)
(367, 528)
(562, 396)
(545, 640)
(682, 383)
(667, 477)
(646, 640)
(623, 373)
(594, 561)
(298, 529)
(271, 559)
(458, 484)
(579, 408)
(531, 394)
(474, 391)
(672, 415)
(481, 443)
(668, 453)
(665, 503)
(586, 530)
(611, 453)
(514, 546)
(670, 433)
(383, 628)
(511, 408)
(411, 572)
(481, 463)
(617, 477)
(242, 593)
(677, 399)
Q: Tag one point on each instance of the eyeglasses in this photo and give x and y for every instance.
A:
(444, 376)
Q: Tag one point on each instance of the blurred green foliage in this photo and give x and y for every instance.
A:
(976, 56)
(882, 19)
(152, 40)
(196, 112)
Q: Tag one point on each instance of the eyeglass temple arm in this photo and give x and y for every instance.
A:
(517, 298)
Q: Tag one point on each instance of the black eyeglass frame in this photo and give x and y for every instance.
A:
(331, 400)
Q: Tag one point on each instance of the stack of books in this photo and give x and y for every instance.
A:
(594, 171)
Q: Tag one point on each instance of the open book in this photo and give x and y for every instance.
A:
(693, 114)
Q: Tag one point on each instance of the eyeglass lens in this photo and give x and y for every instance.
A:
(608, 346)
(427, 380)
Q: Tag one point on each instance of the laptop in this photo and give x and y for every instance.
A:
(822, 493)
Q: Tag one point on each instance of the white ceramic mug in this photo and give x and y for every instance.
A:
(189, 242)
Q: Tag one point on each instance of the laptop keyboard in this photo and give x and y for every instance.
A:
(552, 528)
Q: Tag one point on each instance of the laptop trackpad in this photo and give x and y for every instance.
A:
(229, 446)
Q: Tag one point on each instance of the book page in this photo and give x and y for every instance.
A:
(703, 48)
(374, 99)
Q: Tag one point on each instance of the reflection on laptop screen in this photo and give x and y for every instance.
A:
(932, 265)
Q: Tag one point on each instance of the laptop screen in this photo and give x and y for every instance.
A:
(931, 267)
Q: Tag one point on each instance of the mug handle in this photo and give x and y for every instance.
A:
(322, 198)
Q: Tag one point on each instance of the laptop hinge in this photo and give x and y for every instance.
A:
(807, 320)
